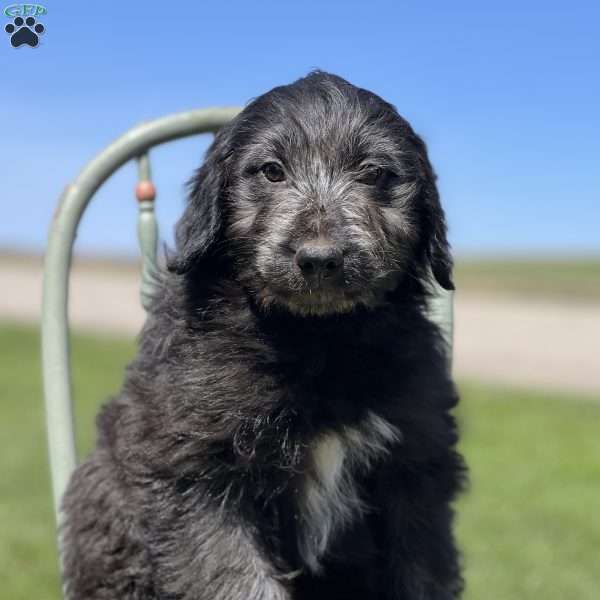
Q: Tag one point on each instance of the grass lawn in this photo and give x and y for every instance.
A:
(569, 279)
(529, 524)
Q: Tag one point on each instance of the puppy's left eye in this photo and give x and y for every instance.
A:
(371, 175)
(273, 172)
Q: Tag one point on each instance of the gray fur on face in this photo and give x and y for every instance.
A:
(325, 142)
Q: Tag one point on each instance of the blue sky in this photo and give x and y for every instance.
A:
(506, 94)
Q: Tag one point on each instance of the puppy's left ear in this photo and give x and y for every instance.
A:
(199, 232)
(437, 247)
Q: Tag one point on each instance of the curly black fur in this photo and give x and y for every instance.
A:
(198, 486)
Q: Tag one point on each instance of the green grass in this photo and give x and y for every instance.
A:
(529, 525)
(574, 279)
(28, 563)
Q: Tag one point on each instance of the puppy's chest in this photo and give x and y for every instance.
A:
(330, 497)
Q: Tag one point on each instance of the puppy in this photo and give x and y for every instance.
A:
(285, 430)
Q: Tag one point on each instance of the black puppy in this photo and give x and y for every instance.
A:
(284, 432)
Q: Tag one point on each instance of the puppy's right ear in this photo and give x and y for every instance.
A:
(199, 231)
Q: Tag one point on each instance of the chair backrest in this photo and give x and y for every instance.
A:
(134, 144)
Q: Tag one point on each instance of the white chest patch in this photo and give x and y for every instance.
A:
(331, 498)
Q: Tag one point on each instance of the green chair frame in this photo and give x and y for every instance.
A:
(133, 145)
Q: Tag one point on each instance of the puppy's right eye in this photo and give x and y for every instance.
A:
(273, 172)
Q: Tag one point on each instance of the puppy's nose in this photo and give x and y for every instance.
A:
(320, 261)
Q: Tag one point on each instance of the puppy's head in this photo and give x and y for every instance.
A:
(320, 197)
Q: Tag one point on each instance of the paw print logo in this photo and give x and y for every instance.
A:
(24, 32)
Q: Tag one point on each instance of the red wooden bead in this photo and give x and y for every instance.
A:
(145, 190)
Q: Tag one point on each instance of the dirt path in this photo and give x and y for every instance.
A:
(513, 341)
(518, 341)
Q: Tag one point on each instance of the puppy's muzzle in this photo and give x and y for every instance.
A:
(320, 262)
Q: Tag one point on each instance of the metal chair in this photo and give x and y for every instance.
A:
(134, 144)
